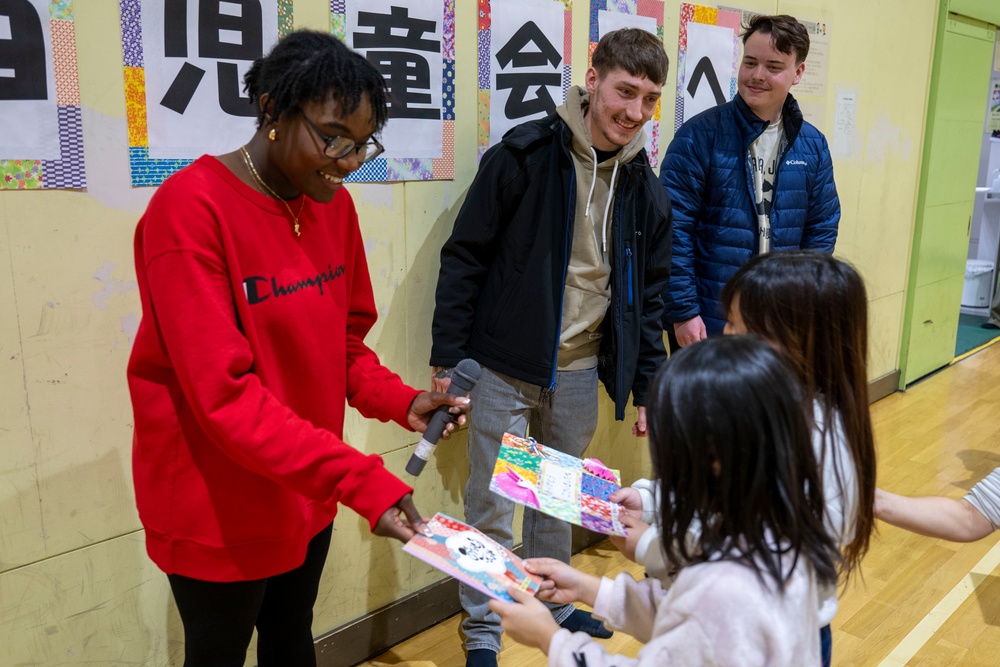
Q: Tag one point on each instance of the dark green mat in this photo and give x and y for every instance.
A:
(971, 334)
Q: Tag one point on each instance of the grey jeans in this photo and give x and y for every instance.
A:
(564, 418)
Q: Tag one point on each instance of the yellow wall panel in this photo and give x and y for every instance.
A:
(67, 292)
(20, 509)
(885, 317)
(102, 605)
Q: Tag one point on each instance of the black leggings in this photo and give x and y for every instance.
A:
(219, 618)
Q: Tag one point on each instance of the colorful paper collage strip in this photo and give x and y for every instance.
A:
(557, 484)
(414, 169)
(147, 171)
(653, 9)
(69, 170)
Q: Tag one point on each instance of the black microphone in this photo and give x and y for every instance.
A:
(464, 378)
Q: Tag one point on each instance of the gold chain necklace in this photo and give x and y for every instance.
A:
(248, 161)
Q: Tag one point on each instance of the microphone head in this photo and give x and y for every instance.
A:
(466, 374)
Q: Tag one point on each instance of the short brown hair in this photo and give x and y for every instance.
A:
(787, 35)
(638, 52)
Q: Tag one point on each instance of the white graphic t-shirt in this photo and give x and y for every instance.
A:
(764, 158)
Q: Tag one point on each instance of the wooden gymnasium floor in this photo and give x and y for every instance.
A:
(921, 602)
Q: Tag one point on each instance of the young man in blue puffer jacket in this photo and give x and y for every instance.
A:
(744, 178)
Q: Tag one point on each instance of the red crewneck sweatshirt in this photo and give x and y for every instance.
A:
(250, 342)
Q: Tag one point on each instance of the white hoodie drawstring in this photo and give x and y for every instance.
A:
(593, 182)
(607, 207)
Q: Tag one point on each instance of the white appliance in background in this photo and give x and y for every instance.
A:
(984, 247)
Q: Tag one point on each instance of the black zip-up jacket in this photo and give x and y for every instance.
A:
(503, 271)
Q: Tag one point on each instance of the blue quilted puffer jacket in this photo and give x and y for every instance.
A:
(708, 175)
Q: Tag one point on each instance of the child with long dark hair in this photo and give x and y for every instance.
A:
(813, 308)
(730, 445)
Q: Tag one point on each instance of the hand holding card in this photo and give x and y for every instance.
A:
(463, 552)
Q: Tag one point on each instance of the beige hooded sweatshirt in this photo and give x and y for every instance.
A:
(588, 277)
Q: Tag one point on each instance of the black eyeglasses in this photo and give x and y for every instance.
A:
(338, 147)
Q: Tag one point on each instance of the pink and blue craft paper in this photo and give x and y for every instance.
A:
(459, 550)
(560, 485)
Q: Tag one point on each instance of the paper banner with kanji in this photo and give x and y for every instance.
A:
(525, 61)
(412, 44)
(608, 15)
(184, 65)
(708, 52)
(41, 143)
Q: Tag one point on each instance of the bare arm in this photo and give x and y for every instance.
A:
(934, 516)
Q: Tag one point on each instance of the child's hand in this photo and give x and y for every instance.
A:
(526, 620)
(627, 544)
(628, 498)
(563, 584)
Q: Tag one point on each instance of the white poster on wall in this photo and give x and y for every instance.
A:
(708, 67)
(843, 141)
(29, 117)
(526, 58)
(195, 56)
(403, 40)
(608, 21)
(815, 76)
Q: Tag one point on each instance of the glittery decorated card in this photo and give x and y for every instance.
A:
(563, 486)
(459, 550)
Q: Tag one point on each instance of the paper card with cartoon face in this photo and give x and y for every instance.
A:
(560, 485)
(459, 550)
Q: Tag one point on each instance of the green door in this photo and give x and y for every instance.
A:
(957, 105)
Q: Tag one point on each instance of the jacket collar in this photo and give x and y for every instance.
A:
(520, 137)
(752, 126)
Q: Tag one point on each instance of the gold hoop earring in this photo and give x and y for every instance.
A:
(273, 134)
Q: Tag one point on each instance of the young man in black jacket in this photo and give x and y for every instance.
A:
(551, 280)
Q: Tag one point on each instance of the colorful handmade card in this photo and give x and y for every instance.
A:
(563, 486)
(463, 552)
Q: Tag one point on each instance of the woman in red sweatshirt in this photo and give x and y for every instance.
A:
(256, 300)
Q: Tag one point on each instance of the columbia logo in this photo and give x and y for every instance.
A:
(802, 163)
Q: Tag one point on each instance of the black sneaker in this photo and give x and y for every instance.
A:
(481, 657)
(583, 621)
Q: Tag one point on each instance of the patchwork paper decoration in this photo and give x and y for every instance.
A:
(24, 172)
(410, 168)
(646, 14)
(560, 485)
(710, 16)
(461, 551)
(527, 52)
(146, 170)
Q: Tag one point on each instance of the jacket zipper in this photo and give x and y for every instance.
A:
(751, 189)
(619, 325)
(569, 231)
(628, 271)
